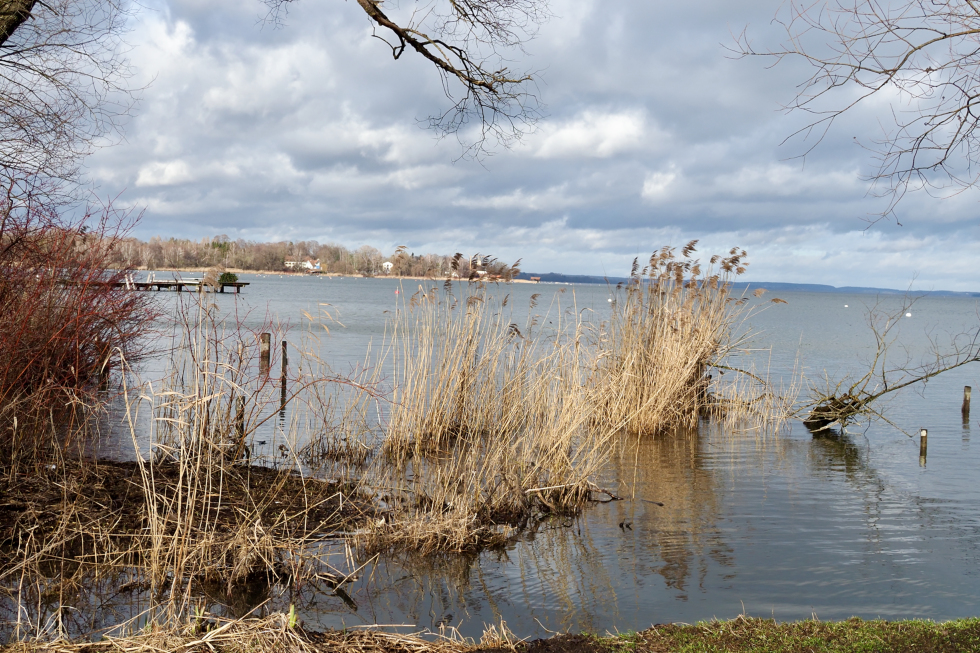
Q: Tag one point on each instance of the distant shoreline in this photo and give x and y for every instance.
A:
(290, 273)
(554, 277)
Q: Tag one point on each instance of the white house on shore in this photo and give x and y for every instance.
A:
(387, 266)
(308, 265)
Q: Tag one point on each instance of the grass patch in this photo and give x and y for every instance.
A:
(748, 635)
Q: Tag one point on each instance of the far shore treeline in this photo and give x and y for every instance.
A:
(220, 251)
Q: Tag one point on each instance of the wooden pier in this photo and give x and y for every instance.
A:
(178, 285)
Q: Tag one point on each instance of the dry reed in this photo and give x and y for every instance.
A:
(488, 423)
(277, 633)
(211, 518)
(671, 323)
(496, 420)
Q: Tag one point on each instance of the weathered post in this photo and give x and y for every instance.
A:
(285, 363)
(965, 409)
(923, 445)
(265, 349)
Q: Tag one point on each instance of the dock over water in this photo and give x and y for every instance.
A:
(179, 285)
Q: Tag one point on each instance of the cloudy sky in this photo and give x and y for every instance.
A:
(651, 136)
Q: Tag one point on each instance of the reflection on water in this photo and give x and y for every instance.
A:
(672, 509)
(785, 526)
(836, 524)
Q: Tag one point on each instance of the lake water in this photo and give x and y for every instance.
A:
(787, 526)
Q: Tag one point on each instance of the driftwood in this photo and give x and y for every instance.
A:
(846, 402)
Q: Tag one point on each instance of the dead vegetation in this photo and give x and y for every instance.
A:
(476, 421)
(891, 367)
(489, 421)
(672, 323)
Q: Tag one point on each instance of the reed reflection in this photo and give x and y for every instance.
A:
(670, 520)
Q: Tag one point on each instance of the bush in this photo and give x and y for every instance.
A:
(65, 315)
(227, 277)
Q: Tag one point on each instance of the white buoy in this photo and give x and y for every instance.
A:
(908, 315)
(845, 305)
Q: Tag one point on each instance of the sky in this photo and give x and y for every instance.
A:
(652, 134)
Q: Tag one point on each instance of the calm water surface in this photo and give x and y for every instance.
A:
(788, 526)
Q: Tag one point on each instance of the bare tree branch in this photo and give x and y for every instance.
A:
(890, 369)
(922, 57)
(63, 78)
(466, 41)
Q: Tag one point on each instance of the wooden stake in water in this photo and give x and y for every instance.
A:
(285, 363)
(265, 349)
(923, 444)
(966, 403)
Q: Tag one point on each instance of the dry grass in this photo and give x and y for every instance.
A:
(277, 633)
(671, 323)
(488, 424)
(497, 418)
(204, 417)
(192, 509)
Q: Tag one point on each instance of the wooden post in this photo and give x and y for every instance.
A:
(265, 349)
(923, 444)
(965, 410)
(285, 364)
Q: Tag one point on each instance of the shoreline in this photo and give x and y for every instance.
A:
(290, 273)
(284, 633)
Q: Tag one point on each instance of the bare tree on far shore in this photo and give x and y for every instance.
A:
(469, 42)
(920, 58)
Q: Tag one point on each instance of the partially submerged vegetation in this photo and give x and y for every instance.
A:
(476, 421)
(670, 326)
(890, 368)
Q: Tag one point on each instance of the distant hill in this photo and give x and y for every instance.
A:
(554, 277)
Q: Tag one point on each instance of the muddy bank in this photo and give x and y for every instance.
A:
(107, 498)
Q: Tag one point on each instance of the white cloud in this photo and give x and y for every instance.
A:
(166, 173)
(785, 181)
(555, 198)
(593, 134)
(657, 185)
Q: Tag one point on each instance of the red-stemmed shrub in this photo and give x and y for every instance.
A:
(65, 318)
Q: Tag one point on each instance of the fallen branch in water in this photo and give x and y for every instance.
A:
(841, 405)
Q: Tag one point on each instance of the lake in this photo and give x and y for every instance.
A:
(787, 526)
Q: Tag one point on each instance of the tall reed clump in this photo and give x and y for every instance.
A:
(210, 514)
(670, 323)
(63, 321)
(488, 422)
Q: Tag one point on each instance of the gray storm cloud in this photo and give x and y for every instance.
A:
(652, 135)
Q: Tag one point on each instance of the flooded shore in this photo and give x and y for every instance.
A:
(709, 521)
